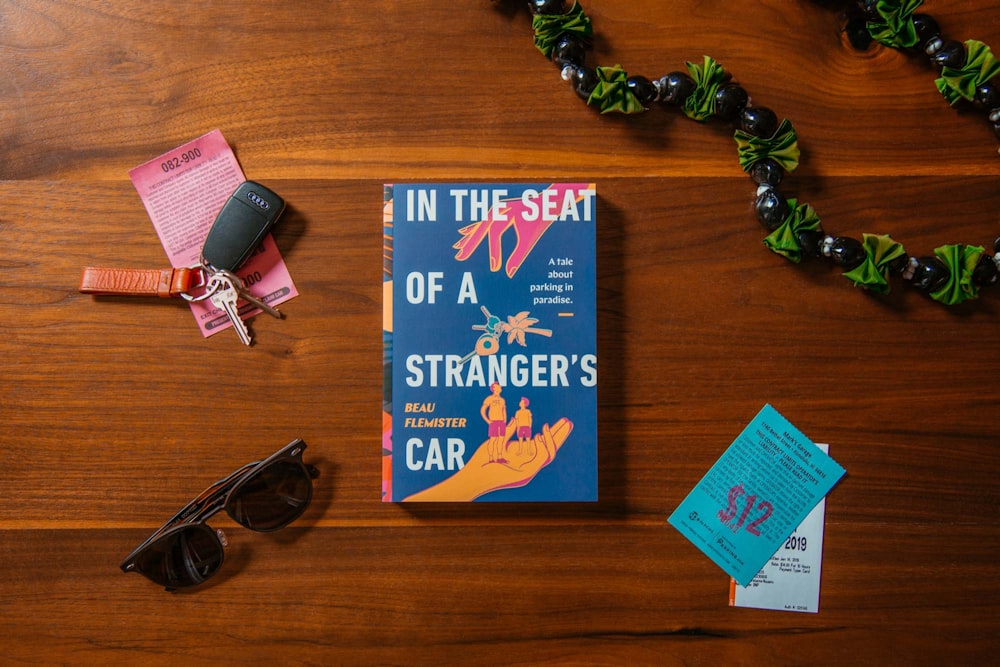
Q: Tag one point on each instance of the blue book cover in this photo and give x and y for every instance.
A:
(489, 342)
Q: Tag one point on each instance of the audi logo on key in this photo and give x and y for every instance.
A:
(257, 199)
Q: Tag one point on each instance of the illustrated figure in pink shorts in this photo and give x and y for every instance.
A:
(494, 413)
(522, 420)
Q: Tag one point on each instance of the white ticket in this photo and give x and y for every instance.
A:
(790, 580)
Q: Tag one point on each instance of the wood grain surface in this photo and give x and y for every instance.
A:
(116, 411)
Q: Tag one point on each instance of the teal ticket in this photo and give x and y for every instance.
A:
(755, 495)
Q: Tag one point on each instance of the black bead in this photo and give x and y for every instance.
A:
(927, 29)
(811, 241)
(869, 8)
(584, 80)
(547, 6)
(847, 252)
(730, 100)
(772, 209)
(676, 87)
(988, 96)
(996, 128)
(952, 54)
(857, 33)
(930, 274)
(898, 265)
(766, 172)
(759, 121)
(568, 50)
(986, 272)
(643, 89)
(996, 245)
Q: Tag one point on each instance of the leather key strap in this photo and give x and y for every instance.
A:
(138, 282)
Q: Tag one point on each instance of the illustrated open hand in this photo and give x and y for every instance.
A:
(481, 476)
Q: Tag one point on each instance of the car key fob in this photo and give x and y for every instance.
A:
(241, 225)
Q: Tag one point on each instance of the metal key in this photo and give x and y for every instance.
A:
(245, 294)
(225, 296)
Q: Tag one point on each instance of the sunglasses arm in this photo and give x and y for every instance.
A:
(209, 502)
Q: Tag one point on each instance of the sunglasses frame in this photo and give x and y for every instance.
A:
(215, 499)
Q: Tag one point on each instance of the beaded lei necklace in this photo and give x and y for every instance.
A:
(767, 149)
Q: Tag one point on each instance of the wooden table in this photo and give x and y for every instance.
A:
(116, 411)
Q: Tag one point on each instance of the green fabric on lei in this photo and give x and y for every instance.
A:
(895, 26)
(785, 239)
(700, 104)
(961, 260)
(612, 93)
(783, 147)
(872, 274)
(549, 27)
(980, 66)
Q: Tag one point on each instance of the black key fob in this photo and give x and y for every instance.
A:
(241, 225)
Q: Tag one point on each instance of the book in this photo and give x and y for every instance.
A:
(489, 342)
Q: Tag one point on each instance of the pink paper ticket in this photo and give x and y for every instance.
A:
(183, 191)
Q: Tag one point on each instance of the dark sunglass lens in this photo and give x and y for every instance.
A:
(181, 558)
(273, 497)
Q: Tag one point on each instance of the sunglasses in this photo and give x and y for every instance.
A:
(263, 496)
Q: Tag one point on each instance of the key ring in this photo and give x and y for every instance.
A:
(211, 287)
(227, 275)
